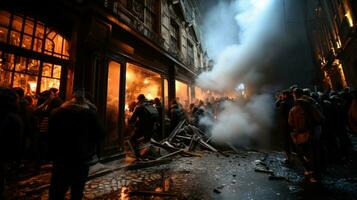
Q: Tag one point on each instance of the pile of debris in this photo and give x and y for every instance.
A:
(183, 140)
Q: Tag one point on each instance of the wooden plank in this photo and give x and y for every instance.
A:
(168, 148)
(170, 154)
(176, 130)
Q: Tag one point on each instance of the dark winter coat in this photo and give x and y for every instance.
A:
(74, 131)
(177, 115)
(11, 126)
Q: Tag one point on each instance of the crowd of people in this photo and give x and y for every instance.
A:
(316, 126)
(45, 129)
(68, 133)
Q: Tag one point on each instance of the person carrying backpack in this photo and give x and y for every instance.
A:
(144, 120)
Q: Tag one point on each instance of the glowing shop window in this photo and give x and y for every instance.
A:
(57, 71)
(112, 110)
(33, 66)
(26, 82)
(15, 38)
(20, 64)
(182, 93)
(141, 81)
(47, 69)
(199, 95)
(47, 83)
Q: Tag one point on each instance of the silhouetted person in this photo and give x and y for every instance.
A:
(74, 131)
(144, 119)
(11, 131)
(47, 102)
(284, 106)
(30, 124)
(158, 106)
(177, 114)
(352, 113)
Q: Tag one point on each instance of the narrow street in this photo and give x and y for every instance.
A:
(178, 99)
(211, 176)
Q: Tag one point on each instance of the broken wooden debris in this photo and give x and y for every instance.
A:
(170, 154)
(171, 148)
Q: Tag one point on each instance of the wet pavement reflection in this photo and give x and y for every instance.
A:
(213, 176)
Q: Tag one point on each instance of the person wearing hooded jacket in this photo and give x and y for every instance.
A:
(74, 131)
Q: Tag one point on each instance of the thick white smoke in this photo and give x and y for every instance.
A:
(243, 37)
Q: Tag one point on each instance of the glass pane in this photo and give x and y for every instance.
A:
(140, 81)
(5, 78)
(9, 61)
(17, 23)
(3, 34)
(58, 44)
(37, 46)
(20, 64)
(15, 38)
(33, 66)
(47, 69)
(56, 71)
(40, 30)
(47, 83)
(65, 48)
(29, 27)
(26, 82)
(182, 94)
(112, 113)
(50, 34)
(26, 42)
(49, 46)
(4, 18)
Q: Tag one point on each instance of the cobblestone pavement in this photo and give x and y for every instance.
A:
(211, 176)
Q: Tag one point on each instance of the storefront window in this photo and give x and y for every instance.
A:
(26, 82)
(199, 94)
(112, 110)
(182, 94)
(23, 71)
(140, 81)
(18, 71)
(22, 32)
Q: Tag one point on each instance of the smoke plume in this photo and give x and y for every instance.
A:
(244, 37)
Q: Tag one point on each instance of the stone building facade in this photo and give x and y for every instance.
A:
(115, 49)
(332, 32)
